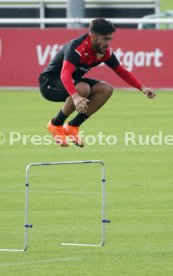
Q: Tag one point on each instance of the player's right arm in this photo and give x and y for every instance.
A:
(68, 67)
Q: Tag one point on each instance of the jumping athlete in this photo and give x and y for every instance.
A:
(62, 80)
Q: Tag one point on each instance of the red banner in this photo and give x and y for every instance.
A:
(24, 53)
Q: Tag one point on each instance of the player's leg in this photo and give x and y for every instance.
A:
(100, 93)
(72, 131)
(53, 90)
(83, 90)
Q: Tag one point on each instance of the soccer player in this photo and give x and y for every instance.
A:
(63, 81)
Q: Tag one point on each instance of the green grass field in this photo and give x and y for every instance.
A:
(166, 5)
(65, 202)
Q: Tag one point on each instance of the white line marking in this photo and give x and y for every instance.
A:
(42, 261)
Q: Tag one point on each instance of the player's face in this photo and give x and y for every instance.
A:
(101, 42)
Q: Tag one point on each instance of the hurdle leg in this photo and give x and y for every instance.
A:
(27, 225)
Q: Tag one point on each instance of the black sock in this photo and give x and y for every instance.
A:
(59, 119)
(78, 120)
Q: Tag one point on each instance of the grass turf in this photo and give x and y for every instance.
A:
(166, 5)
(65, 203)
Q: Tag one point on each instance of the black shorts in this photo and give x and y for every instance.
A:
(53, 89)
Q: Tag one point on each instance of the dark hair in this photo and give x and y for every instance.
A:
(101, 26)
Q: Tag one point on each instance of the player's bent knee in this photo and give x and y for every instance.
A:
(108, 90)
(69, 101)
(104, 88)
(83, 89)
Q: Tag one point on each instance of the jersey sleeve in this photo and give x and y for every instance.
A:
(72, 55)
(128, 77)
(112, 62)
(71, 60)
(66, 77)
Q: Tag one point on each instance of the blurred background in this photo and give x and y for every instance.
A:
(31, 32)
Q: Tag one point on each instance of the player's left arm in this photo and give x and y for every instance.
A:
(133, 81)
(127, 76)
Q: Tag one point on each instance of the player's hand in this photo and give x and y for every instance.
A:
(80, 103)
(149, 92)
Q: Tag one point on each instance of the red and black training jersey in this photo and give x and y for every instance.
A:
(76, 58)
